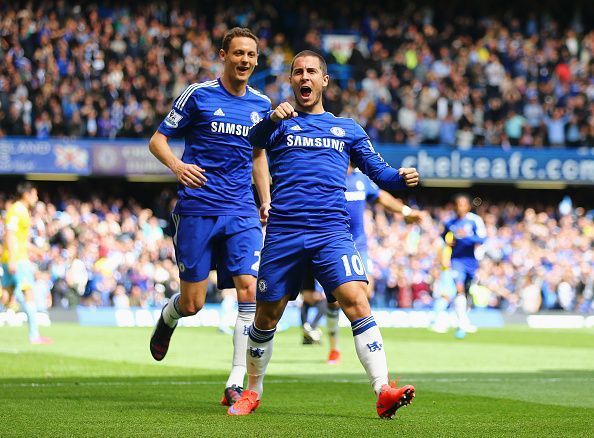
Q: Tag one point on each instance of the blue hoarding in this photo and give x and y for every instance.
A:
(131, 157)
(495, 164)
(22, 156)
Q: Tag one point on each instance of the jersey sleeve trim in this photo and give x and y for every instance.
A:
(261, 95)
(185, 96)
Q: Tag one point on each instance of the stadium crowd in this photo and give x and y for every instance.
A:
(417, 75)
(533, 259)
(117, 253)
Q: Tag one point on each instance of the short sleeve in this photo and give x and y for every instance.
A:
(182, 113)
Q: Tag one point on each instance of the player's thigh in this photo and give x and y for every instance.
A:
(284, 262)
(337, 262)
(194, 238)
(239, 254)
(352, 297)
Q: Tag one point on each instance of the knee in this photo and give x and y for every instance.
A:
(190, 307)
(357, 303)
(360, 306)
(246, 290)
(334, 306)
(265, 322)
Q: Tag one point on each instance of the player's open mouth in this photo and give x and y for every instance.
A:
(243, 69)
(305, 91)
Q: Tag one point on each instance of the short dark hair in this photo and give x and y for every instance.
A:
(303, 53)
(462, 195)
(24, 187)
(238, 32)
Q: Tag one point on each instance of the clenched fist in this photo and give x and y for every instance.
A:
(409, 175)
(284, 111)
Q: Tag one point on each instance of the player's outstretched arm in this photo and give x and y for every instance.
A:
(187, 174)
(262, 181)
(375, 167)
(396, 205)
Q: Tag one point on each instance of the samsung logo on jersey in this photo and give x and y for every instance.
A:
(229, 128)
(298, 140)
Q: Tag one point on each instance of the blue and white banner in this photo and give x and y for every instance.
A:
(495, 164)
(22, 156)
(132, 157)
(127, 158)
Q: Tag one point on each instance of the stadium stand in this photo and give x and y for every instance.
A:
(416, 77)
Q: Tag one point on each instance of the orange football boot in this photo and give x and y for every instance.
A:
(247, 403)
(392, 398)
(333, 357)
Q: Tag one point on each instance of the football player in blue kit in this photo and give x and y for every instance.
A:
(463, 233)
(309, 151)
(216, 221)
(360, 192)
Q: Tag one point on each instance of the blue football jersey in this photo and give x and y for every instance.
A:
(359, 191)
(308, 157)
(215, 125)
(468, 232)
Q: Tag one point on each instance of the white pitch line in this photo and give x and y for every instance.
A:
(282, 381)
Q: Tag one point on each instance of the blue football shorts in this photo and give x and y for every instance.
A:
(229, 244)
(463, 272)
(288, 257)
(310, 283)
(366, 261)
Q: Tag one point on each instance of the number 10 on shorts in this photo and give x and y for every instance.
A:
(355, 262)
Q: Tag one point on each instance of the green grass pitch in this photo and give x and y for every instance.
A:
(102, 382)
